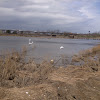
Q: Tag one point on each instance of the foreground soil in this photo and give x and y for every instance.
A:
(47, 82)
(62, 84)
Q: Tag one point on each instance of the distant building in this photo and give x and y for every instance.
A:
(3, 31)
(54, 35)
(71, 36)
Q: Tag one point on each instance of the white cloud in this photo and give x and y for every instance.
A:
(85, 12)
(55, 13)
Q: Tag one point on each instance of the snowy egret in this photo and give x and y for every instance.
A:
(61, 47)
(30, 41)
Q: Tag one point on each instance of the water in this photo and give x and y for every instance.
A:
(45, 48)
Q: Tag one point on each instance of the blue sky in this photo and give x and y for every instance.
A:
(65, 15)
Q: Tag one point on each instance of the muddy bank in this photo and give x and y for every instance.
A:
(31, 81)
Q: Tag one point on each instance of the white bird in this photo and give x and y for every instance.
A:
(52, 61)
(30, 41)
(61, 47)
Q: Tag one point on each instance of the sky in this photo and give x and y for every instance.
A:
(78, 16)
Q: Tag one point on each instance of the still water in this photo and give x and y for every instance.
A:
(46, 48)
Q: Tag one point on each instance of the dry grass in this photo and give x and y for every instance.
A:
(31, 81)
(15, 72)
(9, 64)
(88, 54)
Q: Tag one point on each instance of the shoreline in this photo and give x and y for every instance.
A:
(49, 37)
(25, 81)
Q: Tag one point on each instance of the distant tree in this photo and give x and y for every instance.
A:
(89, 32)
(0, 31)
(66, 33)
(14, 32)
(22, 32)
(8, 31)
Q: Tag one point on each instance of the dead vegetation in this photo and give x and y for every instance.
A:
(15, 72)
(30, 81)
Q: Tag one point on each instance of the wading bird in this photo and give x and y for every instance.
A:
(61, 47)
(30, 41)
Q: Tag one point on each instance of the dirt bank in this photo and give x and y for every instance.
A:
(31, 81)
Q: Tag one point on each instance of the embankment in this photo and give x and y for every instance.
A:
(31, 81)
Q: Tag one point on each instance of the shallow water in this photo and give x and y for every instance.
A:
(46, 48)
